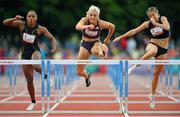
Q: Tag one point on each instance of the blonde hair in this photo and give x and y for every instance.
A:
(93, 8)
(152, 9)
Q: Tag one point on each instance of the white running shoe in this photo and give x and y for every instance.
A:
(152, 101)
(131, 69)
(31, 107)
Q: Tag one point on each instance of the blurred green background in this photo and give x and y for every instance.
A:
(61, 17)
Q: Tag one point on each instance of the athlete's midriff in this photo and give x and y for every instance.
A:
(90, 39)
(161, 42)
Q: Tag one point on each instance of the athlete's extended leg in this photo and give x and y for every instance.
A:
(157, 71)
(83, 55)
(28, 72)
(151, 51)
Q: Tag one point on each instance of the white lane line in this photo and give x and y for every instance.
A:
(170, 97)
(91, 101)
(155, 112)
(55, 105)
(11, 97)
(86, 112)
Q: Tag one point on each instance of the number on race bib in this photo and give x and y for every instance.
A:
(28, 38)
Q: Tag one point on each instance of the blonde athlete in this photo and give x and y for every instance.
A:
(159, 28)
(30, 32)
(91, 27)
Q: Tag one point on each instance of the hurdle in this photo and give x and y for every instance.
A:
(117, 76)
(12, 73)
(120, 78)
(168, 64)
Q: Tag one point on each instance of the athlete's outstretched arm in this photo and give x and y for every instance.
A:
(50, 37)
(133, 31)
(110, 27)
(13, 22)
(81, 24)
(164, 23)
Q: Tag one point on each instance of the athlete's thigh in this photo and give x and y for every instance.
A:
(151, 47)
(36, 55)
(96, 48)
(158, 68)
(82, 55)
(28, 71)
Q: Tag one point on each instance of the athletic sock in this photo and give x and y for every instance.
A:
(33, 100)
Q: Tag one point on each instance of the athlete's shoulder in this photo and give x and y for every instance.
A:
(42, 29)
(84, 19)
(102, 22)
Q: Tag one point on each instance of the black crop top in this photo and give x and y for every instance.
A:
(158, 32)
(94, 33)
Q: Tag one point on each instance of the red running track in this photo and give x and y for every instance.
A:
(97, 100)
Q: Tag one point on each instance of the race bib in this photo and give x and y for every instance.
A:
(156, 31)
(91, 32)
(28, 38)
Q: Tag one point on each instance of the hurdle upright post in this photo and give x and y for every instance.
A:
(48, 85)
(126, 87)
(116, 80)
(62, 78)
(55, 82)
(60, 73)
(121, 84)
(42, 84)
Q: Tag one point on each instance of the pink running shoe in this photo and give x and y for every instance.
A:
(105, 51)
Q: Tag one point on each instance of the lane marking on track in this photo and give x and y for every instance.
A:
(170, 97)
(162, 93)
(11, 97)
(55, 105)
(89, 101)
(92, 95)
(20, 112)
(86, 112)
(144, 95)
(154, 112)
(75, 95)
(94, 91)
